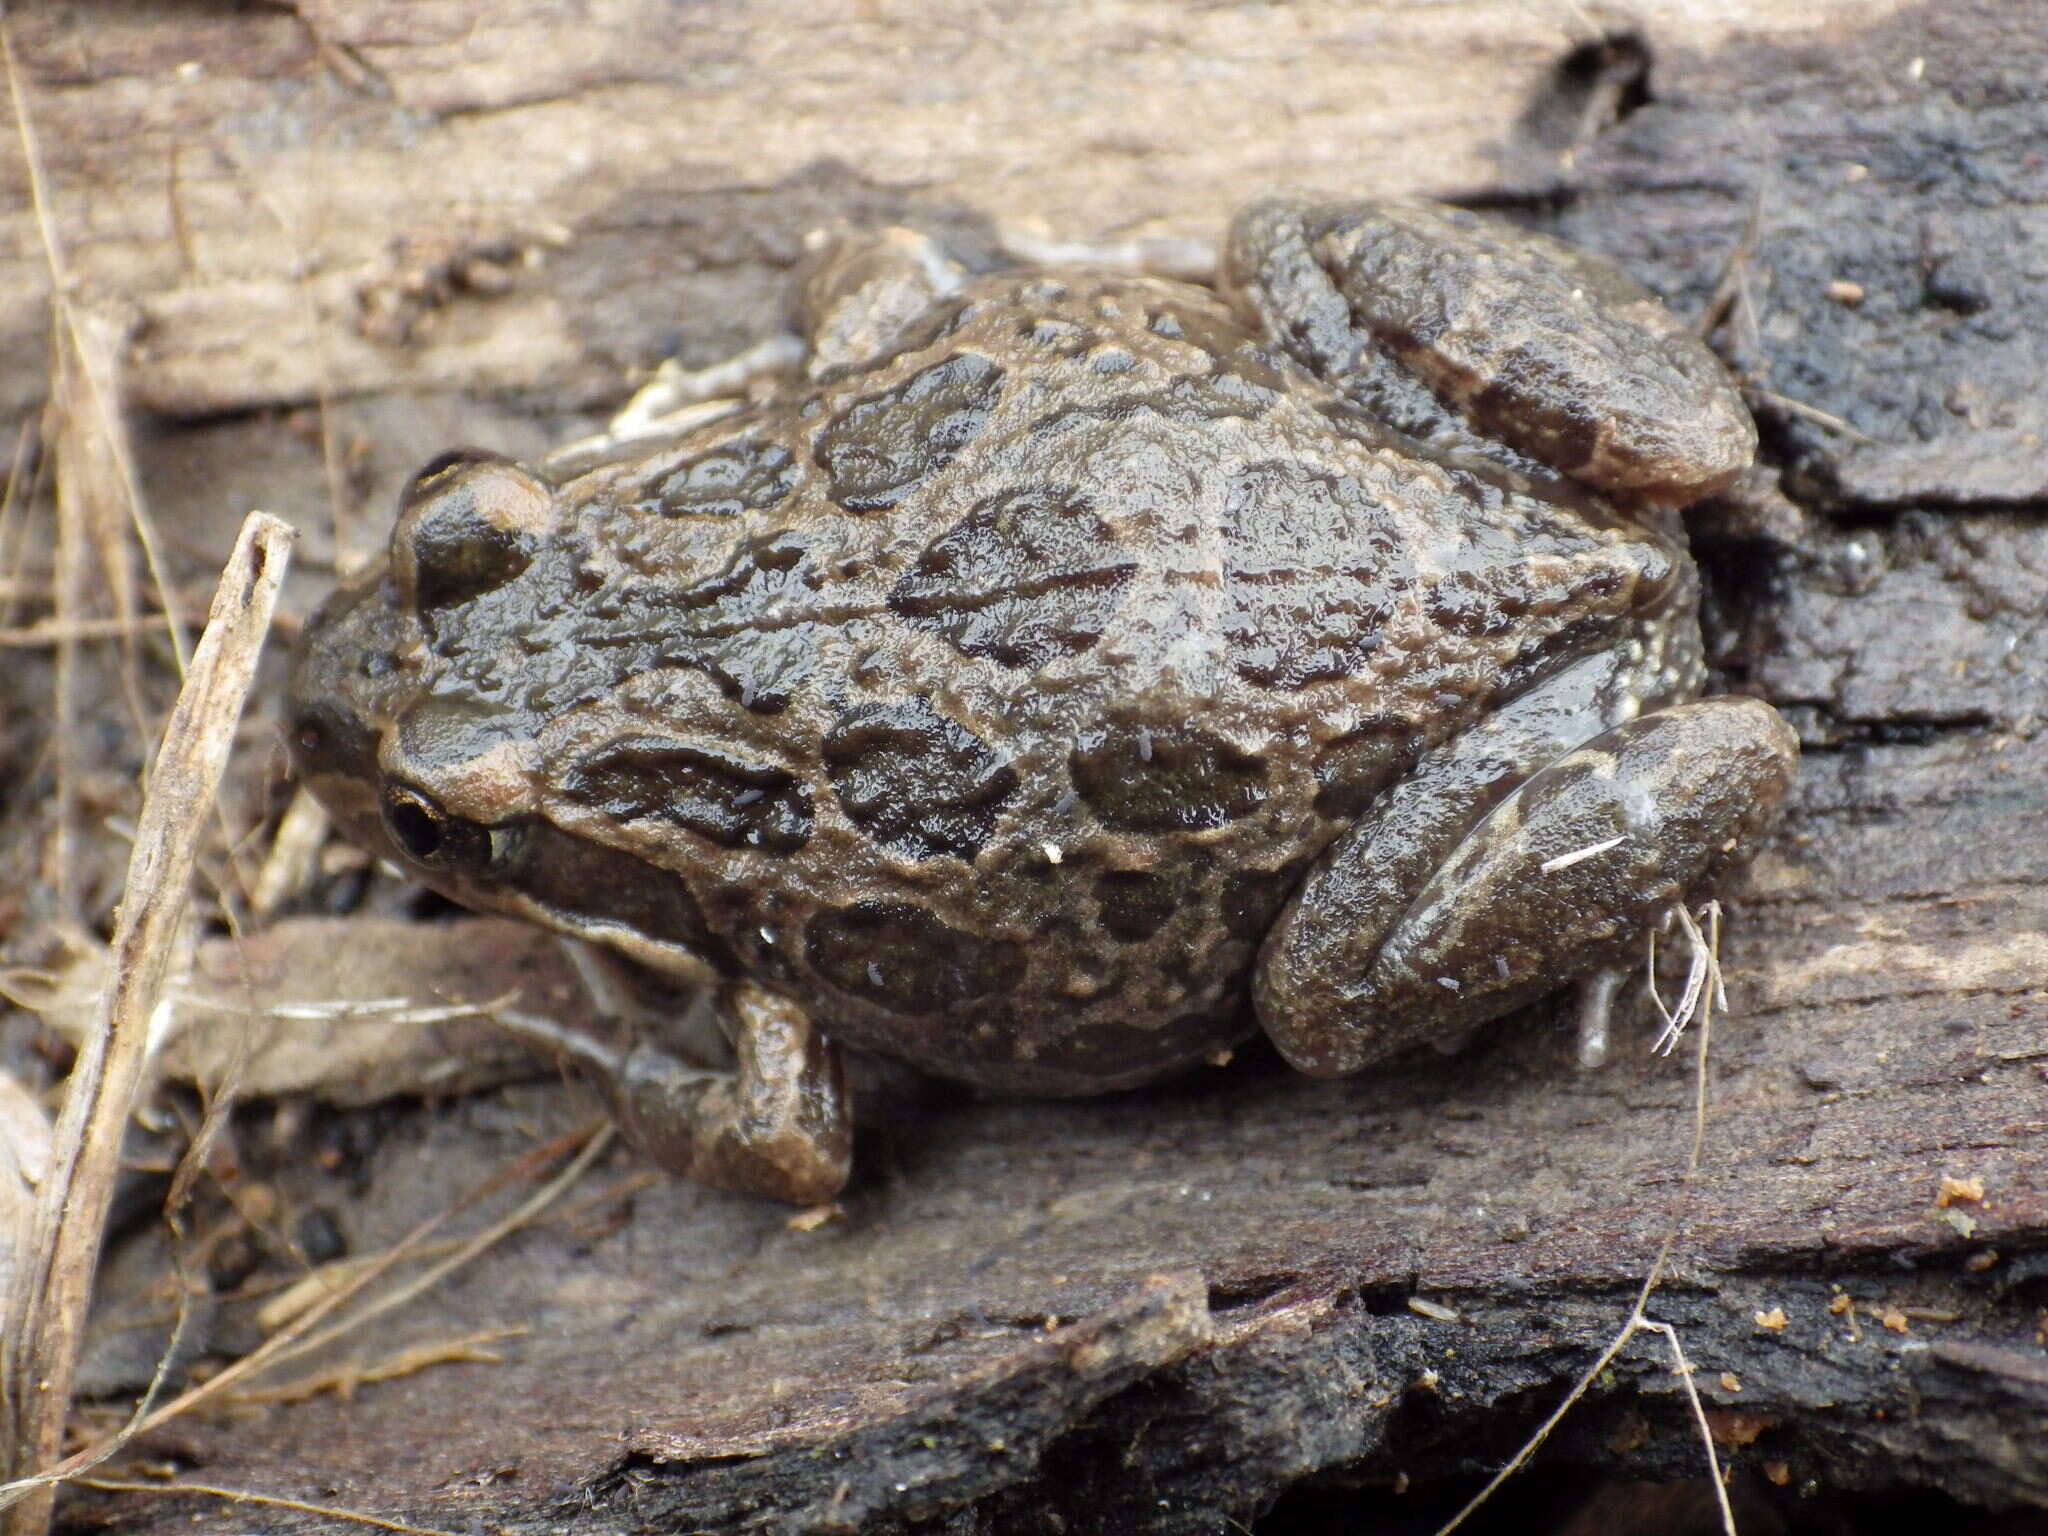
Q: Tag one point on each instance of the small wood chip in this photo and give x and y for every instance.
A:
(1730, 1382)
(1736, 1426)
(1959, 1191)
(814, 1218)
(1840, 1303)
(1895, 1320)
(1774, 1319)
(1842, 291)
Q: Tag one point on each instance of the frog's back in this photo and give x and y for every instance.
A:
(992, 699)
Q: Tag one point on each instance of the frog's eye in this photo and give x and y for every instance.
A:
(439, 465)
(469, 523)
(429, 835)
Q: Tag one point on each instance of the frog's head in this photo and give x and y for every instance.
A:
(421, 689)
(421, 779)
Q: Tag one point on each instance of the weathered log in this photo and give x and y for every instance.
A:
(1164, 1311)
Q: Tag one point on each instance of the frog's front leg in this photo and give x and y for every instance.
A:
(1453, 903)
(778, 1123)
(856, 293)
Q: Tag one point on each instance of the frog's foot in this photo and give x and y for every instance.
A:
(860, 289)
(778, 1124)
(1560, 881)
(675, 389)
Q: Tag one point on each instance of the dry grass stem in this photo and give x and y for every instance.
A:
(1682, 1369)
(46, 1307)
(343, 1379)
(1733, 283)
(96, 344)
(294, 854)
(1636, 1321)
(1703, 969)
(336, 1277)
(1812, 413)
(244, 1496)
(67, 597)
(302, 1343)
(298, 1338)
(14, 504)
(340, 531)
(49, 632)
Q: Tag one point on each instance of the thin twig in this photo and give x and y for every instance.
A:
(47, 1305)
(110, 418)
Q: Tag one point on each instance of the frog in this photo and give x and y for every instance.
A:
(1048, 676)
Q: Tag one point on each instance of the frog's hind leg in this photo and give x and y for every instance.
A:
(778, 1122)
(1470, 333)
(1422, 921)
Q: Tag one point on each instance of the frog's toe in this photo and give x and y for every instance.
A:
(1559, 882)
(1593, 1006)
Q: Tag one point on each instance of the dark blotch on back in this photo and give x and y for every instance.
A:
(915, 781)
(1476, 604)
(1026, 577)
(881, 447)
(734, 804)
(1169, 779)
(735, 477)
(905, 958)
(1354, 768)
(1135, 905)
(1566, 434)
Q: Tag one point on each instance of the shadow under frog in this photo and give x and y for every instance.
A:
(1045, 661)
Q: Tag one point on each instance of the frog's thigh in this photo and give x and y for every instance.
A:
(1543, 346)
(777, 1125)
(1561, 879)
